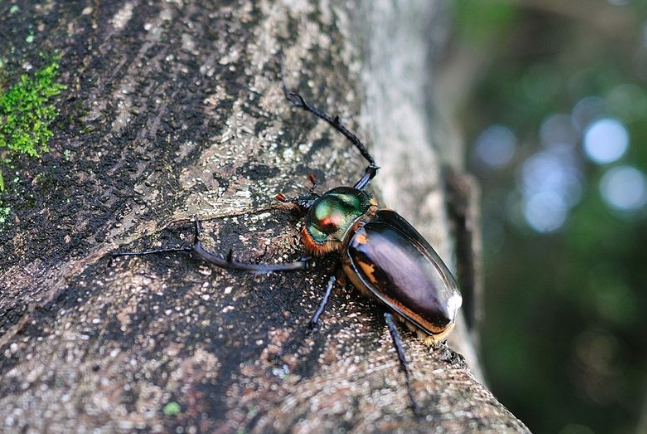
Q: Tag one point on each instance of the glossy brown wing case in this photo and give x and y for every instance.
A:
(395, 264)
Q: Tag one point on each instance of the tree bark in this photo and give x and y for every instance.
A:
(175, 109)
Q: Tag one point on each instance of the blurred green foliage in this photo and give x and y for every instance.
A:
(564, 341)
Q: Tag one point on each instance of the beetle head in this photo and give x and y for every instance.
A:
(331, 216)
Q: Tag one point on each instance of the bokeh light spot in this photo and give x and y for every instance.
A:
(495, 146)
(605, 141)
(556, 170)
(550, 186)
(624, 188)
(545, 211)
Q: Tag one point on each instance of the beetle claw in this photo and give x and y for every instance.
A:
(312, 326)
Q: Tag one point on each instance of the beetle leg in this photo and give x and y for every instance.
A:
(228, 262)
(315, 318)
(397, 343)
(312, 325)
(369, 173)
(335, 122)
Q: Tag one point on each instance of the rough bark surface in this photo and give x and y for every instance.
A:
(173, 109)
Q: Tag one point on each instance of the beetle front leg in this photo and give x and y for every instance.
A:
(397, 343)
(227, 263)
(335, 122)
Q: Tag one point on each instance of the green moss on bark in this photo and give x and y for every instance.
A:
(26, 112)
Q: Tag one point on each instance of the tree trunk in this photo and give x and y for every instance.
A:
(174, 109)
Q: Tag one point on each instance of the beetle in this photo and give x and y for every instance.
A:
(381, 253)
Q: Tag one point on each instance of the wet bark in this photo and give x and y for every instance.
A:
(174, 109)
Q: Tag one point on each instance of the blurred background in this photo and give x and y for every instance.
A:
(552, 97)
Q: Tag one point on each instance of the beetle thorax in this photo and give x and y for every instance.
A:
(331, 217)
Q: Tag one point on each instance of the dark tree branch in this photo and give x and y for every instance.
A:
(175, 109)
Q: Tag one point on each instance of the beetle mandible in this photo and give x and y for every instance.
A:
(381, 253)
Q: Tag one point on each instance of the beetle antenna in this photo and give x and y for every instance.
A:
(397, 343)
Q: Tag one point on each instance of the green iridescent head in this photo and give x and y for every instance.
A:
(330, 217)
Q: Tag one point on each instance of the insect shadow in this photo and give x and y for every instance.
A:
(379, 252)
